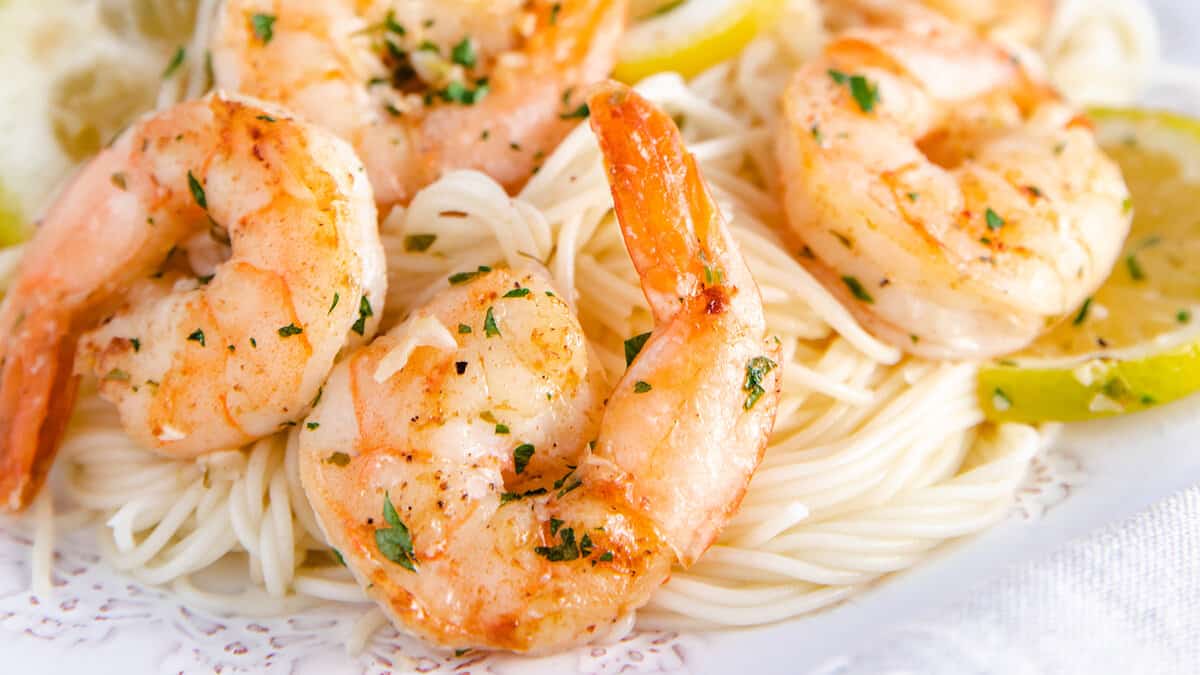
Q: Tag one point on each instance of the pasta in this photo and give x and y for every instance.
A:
(875, 459)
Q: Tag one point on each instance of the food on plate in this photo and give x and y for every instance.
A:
(485, 483)
(423, 87)
(609, 395)
(953, 200)
(1135, 343)
(206, 269)
(1021, 21)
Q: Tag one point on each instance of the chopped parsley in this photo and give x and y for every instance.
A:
(137, 344)
(464, 277)
(993, 219)
(565, 549)
(582, 113)
(395, 542)
(607, 556)
(1183, 316)
(507, 497)
(641, 387)
(521, 455)
(457, 92)
(203, 279)
(264, 27)
(554, 10)
(463, 329)
(463, 53)
(265, 118)
(290, 330)
(489, 324)
(857, 289)
(517, 293)
(1000, 400)
(865, 93)
(338, 556)
(197, 191)
(1135, 268)
(419, 243)
(756, 370)
(364, 311)
(333, 304)
(1082, 315)
(501, 428)
(175, 62)
(312, 425)
(197, 336)
(391, 25)
(562, 484)
(633, 347)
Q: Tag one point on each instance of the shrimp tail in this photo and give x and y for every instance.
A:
(676, 233)
(702, 295)
(37, 392)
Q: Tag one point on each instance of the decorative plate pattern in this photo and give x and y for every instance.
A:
(93, 603)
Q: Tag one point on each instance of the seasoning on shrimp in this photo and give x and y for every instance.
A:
(918, 212)
(111, 260)
(536, 539)
(416, 96)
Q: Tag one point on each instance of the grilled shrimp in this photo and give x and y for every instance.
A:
(421, 87)
(484, 484)
(1021, 21)
(956, 203)
(207, 268)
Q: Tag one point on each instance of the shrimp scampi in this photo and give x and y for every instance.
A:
(955, 202)
(491, 490)
(207, 269)
(423, 87)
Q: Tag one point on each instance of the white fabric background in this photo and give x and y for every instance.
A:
(1122, 600)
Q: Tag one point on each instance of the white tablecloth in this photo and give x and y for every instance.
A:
(1122, 600)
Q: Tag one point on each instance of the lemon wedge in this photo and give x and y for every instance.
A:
(690, 36)
(1136, 342)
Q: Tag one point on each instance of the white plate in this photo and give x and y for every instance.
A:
(98, 622)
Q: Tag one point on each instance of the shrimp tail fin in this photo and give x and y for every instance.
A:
(37, 392)
(672, 225)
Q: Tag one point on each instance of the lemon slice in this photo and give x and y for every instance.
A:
(1136, 342)
(690, 36)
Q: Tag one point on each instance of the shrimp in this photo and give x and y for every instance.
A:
(125, 281)
(423, 87)
(1019, 21)
(953, 201)
(492, 491)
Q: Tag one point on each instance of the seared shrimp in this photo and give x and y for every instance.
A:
(125, 280)
(421, 87)
(490, 490)
(958, 205)
(1022, 21)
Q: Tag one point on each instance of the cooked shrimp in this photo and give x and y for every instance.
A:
(1021, 21)
(421, 87)
(958, 205)
(491, 491)
(195, 356)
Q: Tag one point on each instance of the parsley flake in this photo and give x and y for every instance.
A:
(517, 293)
(197, 191)
(756, 371)
(521, 454)
(175, 62)
(364, 311)
(197, 336)
(290, 330)
(857, 289)
(395, 543)
(419, 243)
(1082, 315)
(463, 53)
(994, 221)
(633, 347)
(641, 387)
(489, 324)
(264, 27)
